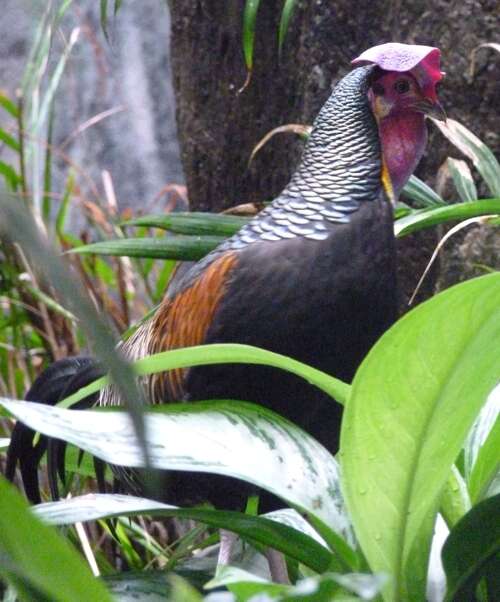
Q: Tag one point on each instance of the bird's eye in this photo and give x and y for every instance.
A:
(378, 89)
(402, 86)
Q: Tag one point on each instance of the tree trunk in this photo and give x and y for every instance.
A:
(218, 127)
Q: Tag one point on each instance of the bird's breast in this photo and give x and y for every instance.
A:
(321, 302)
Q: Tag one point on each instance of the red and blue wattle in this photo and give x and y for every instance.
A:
(403, 133)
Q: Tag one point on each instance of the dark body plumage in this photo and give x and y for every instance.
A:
(312, 277)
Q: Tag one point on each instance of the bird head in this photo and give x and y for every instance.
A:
(402, 92)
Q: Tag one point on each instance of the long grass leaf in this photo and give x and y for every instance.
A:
(11, 176)
(197, 223)
(471, 146)
(249, 19)
(104, 17)
(8, 105)
(462, 179)
(47, 171)
(286, 15)
(418, 191)
(425, 218)
(57, 308)
(9, 140)
(226, 353)
(62, 212)
(186, 248)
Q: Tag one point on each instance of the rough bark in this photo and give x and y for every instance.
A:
(219, 127)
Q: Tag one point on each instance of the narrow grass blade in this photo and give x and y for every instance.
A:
(470, 145)
(9, 106)
(195, 223)
(426, 218)
(286, 15)
(9, 140)
(225, 353)
(463, 180)
(249, 19)
(12, 178)
(104, 17)
(418, 191)
(185, 248)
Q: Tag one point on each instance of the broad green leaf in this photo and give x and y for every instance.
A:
(255, 529)
(404, 428)
(286, 15)
(181, 437)
(425, 218)
(197, 222)
(186, 248)
(419, 191)
(225, 353)
(472, 545)
(470, 145)
(59, 573)
(463, 180)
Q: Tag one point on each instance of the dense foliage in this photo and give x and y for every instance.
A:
(420, 440)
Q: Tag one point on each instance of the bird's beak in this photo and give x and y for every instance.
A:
(436, 111)
(432, 109)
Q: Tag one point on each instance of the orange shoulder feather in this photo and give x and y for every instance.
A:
(183, 321)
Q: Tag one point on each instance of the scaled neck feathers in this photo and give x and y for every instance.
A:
(340, 168)
(341, 164)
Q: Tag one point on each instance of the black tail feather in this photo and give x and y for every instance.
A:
(56, 448)
(57, 382)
